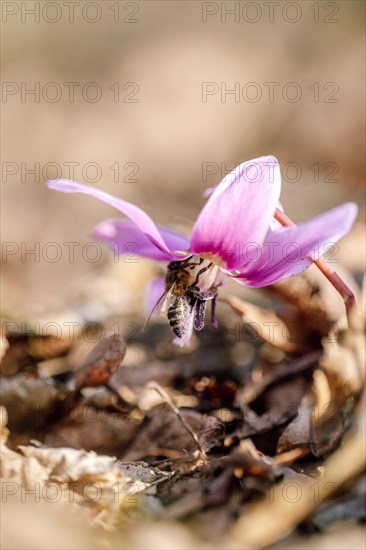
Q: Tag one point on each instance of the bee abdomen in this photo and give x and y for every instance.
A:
(179, 314)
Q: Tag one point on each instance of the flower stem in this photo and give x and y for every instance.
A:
(333, 277)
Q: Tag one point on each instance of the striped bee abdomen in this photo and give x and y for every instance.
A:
(180, 314)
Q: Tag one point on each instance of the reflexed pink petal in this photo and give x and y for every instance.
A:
(135, 214)
(285, 250)
(154, 292)
(125, 238)
(258, 279)
(239, 211)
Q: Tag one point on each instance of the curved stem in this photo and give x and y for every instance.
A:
(333, 277)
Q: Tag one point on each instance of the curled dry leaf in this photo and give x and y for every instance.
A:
(102, 362)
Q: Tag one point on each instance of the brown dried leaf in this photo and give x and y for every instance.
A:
(102, 362)
(28, 400)
(94, 429)
(297, 433)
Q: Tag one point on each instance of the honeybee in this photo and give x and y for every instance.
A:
(189, 285)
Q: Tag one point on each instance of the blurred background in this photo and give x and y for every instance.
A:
(155, 101)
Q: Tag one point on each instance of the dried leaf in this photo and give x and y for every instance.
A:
(297, 433)
(102, 362)
(89, 428)
(28, 400)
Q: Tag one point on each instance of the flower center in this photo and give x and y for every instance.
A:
(215, 259)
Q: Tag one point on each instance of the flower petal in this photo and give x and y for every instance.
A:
(288, 251)
(238, 211)
(134, 213)
(124, 237)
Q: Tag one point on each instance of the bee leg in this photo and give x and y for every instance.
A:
(210, 294)
(199, 315)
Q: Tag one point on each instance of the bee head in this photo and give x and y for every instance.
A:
(174, 266)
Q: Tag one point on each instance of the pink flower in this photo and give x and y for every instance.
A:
(235, 230)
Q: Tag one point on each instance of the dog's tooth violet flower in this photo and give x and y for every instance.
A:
(236, 233)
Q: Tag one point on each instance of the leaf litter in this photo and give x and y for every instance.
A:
(233, 443)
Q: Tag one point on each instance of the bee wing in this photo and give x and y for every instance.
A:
(166, 299)
(159, 307)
